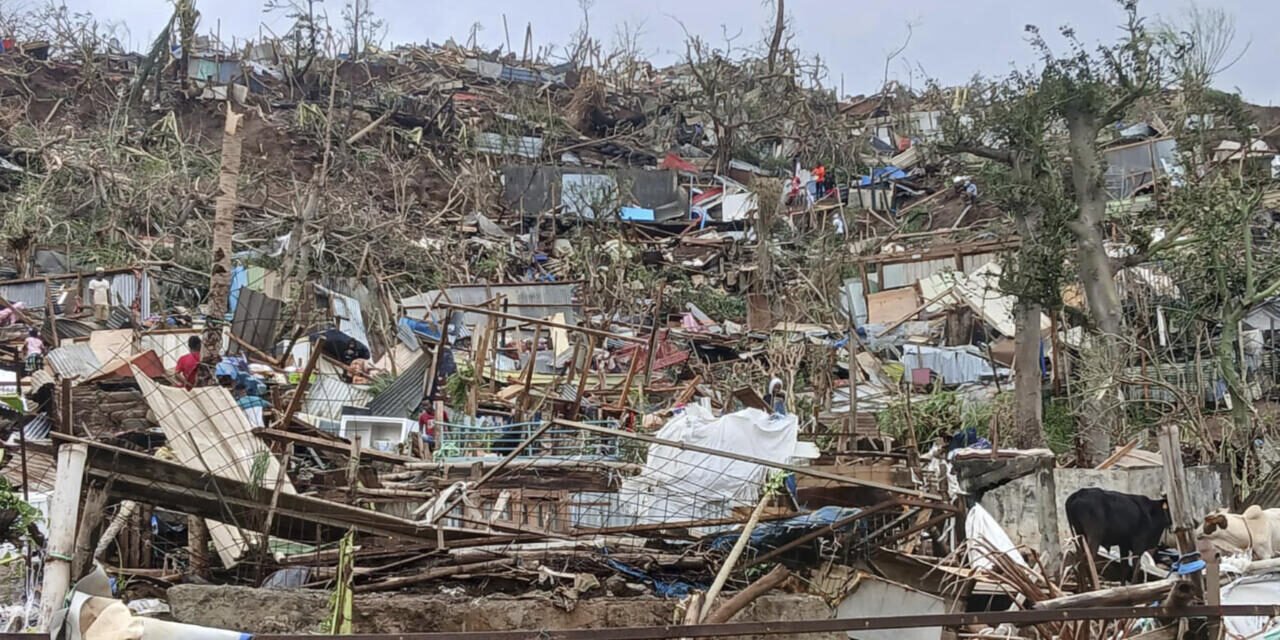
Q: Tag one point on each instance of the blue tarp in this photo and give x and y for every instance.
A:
(770, 535)
(422, 327)
(239, 280)
(638, 214)
(663, 587)
(882, 174)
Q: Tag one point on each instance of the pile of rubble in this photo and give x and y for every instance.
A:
(502, 329)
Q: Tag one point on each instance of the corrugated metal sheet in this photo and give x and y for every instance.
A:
(328, 393)
(405, 394)
(126, 288)
(207, 430)
(169, 346)
(38, 428)
(256, 321)
(893, 276)
(499, 144)
(120, 318)
(30, 293)
(42, 470)
(73, 361)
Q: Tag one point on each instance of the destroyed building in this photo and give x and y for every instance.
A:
(437, 339)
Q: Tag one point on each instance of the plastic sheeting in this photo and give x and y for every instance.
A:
(955, 365)
(92, 614)
(980, 526)
(771, 535)
(679, 485)
(1263, 590)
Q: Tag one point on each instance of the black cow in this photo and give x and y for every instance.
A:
(1105, 518)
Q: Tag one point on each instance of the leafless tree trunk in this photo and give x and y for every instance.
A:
(779, 26)
(1028, 418)
(224, 217)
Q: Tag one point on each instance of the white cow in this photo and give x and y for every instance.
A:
(1256, 532)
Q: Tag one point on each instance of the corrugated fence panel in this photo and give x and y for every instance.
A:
(256, 321)
(30, 294)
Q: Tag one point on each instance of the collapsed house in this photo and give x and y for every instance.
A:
(548, 433)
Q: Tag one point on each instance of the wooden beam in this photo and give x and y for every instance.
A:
(301, 390)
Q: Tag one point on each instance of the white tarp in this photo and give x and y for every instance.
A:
(679, 485)
(955, 365)
(1263, 590)
(985, 537)
(92, 614)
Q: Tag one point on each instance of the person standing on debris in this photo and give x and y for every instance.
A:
(820, 180)
(775, 398)
(100, 295)
(189, 363)
(34, 347)
(427, 427)
(252, 405)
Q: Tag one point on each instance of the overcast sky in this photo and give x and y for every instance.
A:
(951, 40)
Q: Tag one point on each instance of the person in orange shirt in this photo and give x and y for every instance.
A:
(820, 179)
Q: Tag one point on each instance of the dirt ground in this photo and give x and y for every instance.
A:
(269, 611)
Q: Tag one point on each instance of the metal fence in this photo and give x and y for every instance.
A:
(478, 441)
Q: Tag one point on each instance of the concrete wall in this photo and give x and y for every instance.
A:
(1022, 509)
(301, 611)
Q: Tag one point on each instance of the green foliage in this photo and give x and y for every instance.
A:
(716, 303)
(380, 383)
(1059, 425)
(11, 500)
(458, 386)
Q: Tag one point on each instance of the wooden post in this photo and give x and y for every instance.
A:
(526, 377)
(95, 500)
(429, 384)
(653, 336)
(733, 556)
(300, 391)
(353, 469)
(1175, 479)
(198, 546)
(51, 310)
(66, 408)
(582, 376)
(64, 512)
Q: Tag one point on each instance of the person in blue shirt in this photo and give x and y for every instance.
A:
(253, 406)
(229, 375)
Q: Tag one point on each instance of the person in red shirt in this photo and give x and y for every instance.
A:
(189, 363)
(427, 426)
